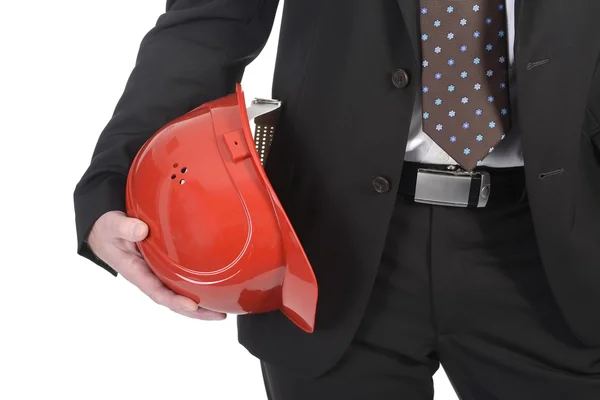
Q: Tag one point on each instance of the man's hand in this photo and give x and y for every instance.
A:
(113, 239)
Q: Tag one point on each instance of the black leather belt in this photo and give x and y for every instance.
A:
(453, 187)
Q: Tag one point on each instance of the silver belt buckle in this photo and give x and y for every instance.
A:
(450, 188)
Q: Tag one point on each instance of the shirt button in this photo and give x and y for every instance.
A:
(400, 78)
(381, 185)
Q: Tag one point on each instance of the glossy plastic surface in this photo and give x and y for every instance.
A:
(218, 234)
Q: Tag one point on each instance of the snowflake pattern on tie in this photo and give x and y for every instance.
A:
(465, 78)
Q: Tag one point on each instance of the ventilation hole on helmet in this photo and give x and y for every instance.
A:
(236, 143)
(181, 182)
(175, 165)
(173, 176)
(183, 170)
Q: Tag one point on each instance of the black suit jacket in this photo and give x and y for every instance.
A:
(344, 123)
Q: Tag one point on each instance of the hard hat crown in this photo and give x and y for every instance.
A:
(217, 231)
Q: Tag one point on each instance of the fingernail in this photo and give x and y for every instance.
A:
(138, 229)
(189, 306)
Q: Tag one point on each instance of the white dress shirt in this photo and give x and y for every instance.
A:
(421, 148)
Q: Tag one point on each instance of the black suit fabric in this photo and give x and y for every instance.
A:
(464, 289)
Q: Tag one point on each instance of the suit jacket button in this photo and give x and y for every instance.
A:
(381, 185)
(400, 79)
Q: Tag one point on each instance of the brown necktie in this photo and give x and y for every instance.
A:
(465, 76)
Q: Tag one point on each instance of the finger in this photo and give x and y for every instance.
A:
(139, 274)
(203, 314)
(130, 229)
(127, 246)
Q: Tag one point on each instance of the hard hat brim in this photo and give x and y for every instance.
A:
(300, 288)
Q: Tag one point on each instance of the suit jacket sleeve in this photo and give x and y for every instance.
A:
(196, 52)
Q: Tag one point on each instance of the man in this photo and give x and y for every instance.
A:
(440, 161)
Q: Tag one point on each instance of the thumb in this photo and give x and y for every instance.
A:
(130, 229)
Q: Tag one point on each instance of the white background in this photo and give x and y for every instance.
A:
(68, 329)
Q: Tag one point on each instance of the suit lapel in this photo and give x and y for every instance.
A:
(409, 9)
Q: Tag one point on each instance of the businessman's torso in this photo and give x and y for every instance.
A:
(344, 123)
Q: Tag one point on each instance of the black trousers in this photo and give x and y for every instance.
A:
(464, 288)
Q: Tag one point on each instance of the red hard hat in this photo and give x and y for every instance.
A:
(217, 232)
